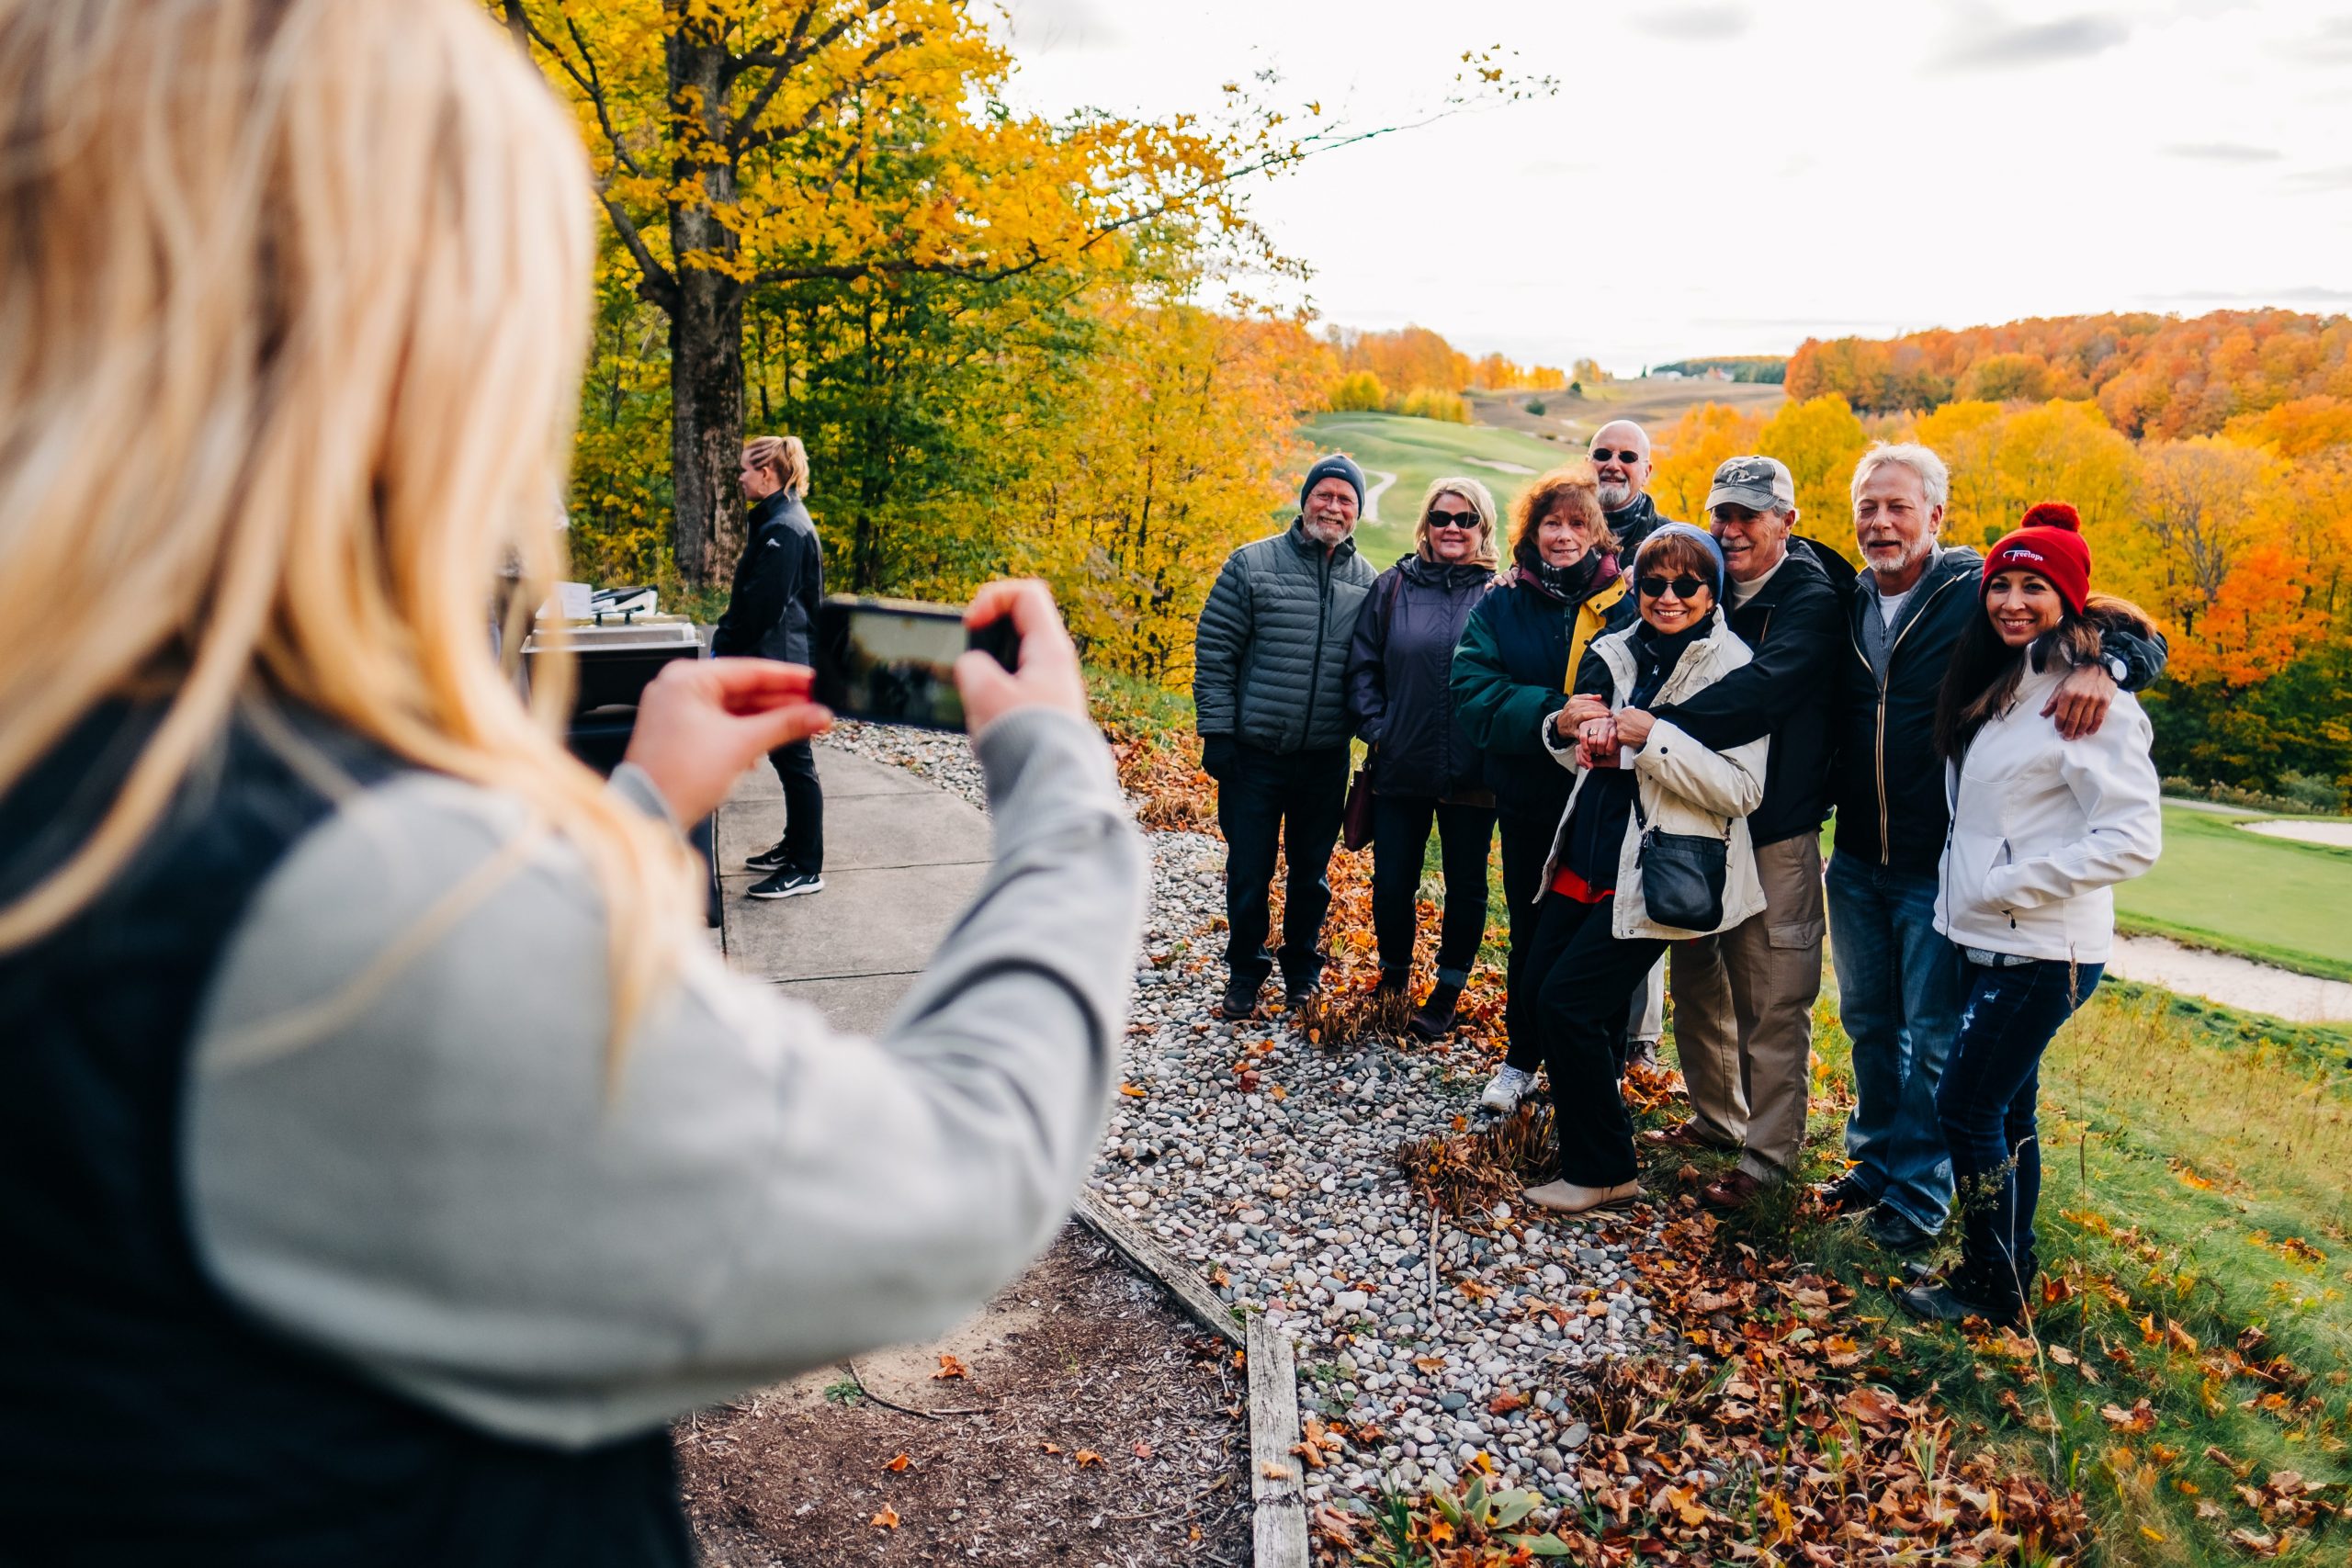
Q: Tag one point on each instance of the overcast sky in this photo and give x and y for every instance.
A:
(1729, 177)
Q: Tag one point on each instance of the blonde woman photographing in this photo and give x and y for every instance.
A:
(384, 1160)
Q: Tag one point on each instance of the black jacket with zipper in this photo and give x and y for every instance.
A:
(1795, 625)
(1887, 782)
(779, 581)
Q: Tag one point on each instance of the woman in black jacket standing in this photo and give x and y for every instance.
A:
(1511, 670)
(1423, 768)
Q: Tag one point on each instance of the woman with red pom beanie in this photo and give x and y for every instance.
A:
(2042, 828)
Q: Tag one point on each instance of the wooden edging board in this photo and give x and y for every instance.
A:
(1277, 1477)
(1190, 1289)
(1277, 1481)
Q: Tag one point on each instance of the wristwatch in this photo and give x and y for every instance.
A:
(2115, 667)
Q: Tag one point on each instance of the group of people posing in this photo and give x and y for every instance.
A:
(1659, 718)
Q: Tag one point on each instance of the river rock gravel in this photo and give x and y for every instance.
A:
(1268, 1163)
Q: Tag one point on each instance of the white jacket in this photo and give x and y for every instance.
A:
(1683, 786)
(2043, 827)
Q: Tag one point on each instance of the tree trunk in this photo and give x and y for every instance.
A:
(707, 326)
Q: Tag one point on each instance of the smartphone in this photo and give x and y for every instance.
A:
(893, 661)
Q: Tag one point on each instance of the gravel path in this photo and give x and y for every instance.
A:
(1268, 1163)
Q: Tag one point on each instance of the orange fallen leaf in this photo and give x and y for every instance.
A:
(1505, 1403)
(1051, 1447)
(1278, 1092)
(949, 1366)
(1086, 1457)
(888, 1519)
(898, 1464)
(1143, 1449)
(1427, 1363)
(1132, 1092)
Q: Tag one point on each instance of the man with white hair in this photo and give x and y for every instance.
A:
(1898, 979)
(1621, 457)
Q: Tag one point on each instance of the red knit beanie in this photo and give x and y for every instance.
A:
(2049, 543)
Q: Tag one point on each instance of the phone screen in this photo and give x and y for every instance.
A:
(893, 661)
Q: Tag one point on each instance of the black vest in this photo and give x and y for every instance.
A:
(143, 1419)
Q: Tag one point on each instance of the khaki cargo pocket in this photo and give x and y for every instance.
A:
(1796, 934)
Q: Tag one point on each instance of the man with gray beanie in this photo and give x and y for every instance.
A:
(1269, 699)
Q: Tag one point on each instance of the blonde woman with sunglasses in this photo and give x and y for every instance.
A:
(1423, 767)
(385, 1160)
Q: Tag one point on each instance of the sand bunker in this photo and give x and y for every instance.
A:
(2338, 835)
(2231, 981)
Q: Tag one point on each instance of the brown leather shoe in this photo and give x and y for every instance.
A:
(1730, 1191)
(1681, 1135)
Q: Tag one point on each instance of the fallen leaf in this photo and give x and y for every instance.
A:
(1051, 1447)
(2064, 1357)
(1429, 1363)
(888, 1519)
(1086, 1457)
(949, 1366)
(1505, 1402)
(1132, 1092)
(2140, 1417)
(1143, 1449)
(900, 1462)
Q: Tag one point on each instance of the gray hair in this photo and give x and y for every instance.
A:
(1934, 478)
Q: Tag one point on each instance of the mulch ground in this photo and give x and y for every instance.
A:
(1095, 1425)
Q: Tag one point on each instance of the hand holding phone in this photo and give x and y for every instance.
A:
(1045, 673)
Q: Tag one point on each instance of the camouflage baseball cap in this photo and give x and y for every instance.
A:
(1760, 484)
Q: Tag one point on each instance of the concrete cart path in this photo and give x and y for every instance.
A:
(901, 860)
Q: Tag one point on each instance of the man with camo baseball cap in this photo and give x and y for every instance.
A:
(1756, 482)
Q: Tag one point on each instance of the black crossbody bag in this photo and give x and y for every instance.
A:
(1682, 875)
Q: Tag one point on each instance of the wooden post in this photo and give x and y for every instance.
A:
(1276, 1473)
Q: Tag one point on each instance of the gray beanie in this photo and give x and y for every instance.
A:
(1337, 466)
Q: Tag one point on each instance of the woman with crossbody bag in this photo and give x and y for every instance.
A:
(1652, 847)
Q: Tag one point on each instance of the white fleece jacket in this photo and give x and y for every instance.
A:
(2043, 827)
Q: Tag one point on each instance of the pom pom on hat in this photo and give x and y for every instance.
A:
(2051, 514)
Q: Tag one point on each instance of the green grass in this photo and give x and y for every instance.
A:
(2217, 886)
(1419, 450)
(2193, 1208)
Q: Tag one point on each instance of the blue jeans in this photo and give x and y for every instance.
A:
(1898, 995)
(1986, 1104)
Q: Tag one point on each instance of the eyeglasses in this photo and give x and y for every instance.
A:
(1453, 520)
(1604, 454)
(1684, 586)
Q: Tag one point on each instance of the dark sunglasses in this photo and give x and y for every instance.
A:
(1453, 520)
(1684, 586)
(1604, 454)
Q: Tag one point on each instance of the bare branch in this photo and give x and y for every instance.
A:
(654, 280)
(593, 86)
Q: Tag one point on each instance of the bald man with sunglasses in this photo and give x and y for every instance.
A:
(1621, 457)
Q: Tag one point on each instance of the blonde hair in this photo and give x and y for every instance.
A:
(783, 456)
(1482, 501)
(1577, 483)
(291, 317)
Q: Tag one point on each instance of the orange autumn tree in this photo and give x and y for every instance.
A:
(1688, 451)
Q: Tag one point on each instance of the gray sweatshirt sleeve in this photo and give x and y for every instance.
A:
(406, 1143)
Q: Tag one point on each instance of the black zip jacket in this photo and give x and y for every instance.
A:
(1400, 664)
(1887, 783)
(1795, 626)
(772, 608)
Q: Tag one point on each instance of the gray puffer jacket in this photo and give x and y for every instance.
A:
(1269, 663)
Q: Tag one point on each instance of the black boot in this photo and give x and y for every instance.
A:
(1963, 1292)
(1434, 1019)
(1240, 998)
(1392, 984)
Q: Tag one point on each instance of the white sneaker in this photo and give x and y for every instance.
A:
(1503, 1091)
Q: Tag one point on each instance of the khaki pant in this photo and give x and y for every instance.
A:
(1743, 1014)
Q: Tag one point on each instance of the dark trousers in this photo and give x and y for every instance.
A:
(804, 807)
(1295, 802)
(1400, 837)
(1585, 976)
(1986, 1105)
(1527, 844)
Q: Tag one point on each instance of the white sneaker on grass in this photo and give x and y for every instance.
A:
(1503, 1091)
